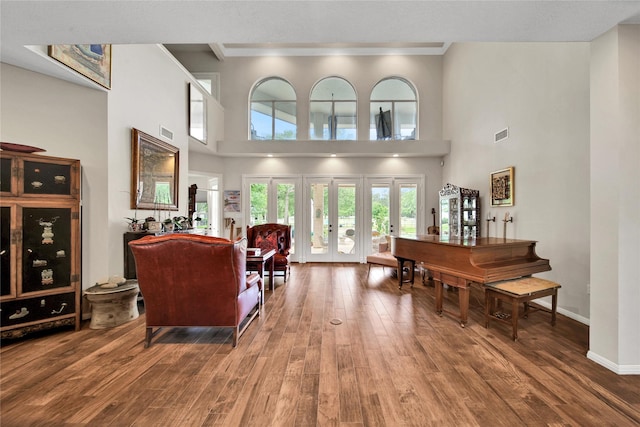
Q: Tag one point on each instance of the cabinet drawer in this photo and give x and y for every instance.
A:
(36, 309)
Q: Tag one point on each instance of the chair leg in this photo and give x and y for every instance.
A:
(147, 338)
(236, 332)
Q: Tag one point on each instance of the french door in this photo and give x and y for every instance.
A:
(394, 207)
(273, 200)
(333, 207)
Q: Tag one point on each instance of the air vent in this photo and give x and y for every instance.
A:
(166, 133)
(502, 135)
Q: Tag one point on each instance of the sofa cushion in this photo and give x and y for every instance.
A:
(268, 242)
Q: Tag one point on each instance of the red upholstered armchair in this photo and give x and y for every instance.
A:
(272, 236)
(192, 280)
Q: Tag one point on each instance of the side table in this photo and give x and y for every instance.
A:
(113, 306)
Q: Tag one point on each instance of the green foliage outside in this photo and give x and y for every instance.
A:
(346, 206)
(258, 201)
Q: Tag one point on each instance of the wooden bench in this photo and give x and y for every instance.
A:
(515, 292)
(385, 259)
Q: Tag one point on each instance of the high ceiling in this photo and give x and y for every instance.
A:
(297, 27)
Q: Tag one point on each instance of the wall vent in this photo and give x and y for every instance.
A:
(166, 133)
(502, 135)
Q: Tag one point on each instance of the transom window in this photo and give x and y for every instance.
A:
(394, 110)
(273, 110)
(332, 110)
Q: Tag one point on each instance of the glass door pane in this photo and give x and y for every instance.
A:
(408, 210)
(258, 199)
(319, 208)
(286, 204)
(380, 214)
(346, 232)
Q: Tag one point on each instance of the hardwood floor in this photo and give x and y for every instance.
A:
(391, 362)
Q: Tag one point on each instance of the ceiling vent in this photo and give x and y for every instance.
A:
(501, 136)
(166, 133)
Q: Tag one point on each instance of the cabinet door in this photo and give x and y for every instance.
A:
(46, 178)
(46, 307)
(7, 252)
(47, 252)
(449, 216)
(6, 168)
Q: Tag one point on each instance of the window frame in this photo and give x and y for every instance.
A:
(333, 102)
(394, 102)
(273, 103)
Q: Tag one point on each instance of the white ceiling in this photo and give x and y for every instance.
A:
(300, 24)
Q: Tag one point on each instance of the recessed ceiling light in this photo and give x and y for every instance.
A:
(269, 155)
(396, 155)
(333, 154)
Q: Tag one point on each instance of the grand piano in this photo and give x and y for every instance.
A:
(461, 263)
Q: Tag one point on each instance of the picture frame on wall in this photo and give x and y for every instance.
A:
(232, 200)
(154, 173)
(502, 187)
(90, 60)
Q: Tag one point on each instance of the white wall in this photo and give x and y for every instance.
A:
(149, 90)
(94, 125)
(238, 76)
(68, 121)
(541, 92)
(615, 199)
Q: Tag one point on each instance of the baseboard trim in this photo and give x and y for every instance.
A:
(618, 369)
(564, 312)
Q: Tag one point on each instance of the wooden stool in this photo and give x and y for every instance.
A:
(515, 292)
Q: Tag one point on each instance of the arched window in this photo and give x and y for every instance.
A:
(394, 110)
(273, 110)
(332, 108)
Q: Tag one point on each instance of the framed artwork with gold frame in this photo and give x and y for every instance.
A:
(502, 187)
(154, 173)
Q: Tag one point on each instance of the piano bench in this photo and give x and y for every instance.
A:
(515, 292)
(386, 259)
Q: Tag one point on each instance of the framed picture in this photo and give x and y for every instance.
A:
(501, 185)
(197, 114)
(154, 173)
(232, 200)
(91, 60)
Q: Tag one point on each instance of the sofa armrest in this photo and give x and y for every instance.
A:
(254, 278)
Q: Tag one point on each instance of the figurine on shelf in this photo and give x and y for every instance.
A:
(134, 224)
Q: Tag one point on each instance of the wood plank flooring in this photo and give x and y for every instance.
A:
(391, 362)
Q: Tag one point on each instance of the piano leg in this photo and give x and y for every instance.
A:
(463, 287)
(463, 298)
(439, 288)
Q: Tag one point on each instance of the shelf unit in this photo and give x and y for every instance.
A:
(39, 243)
(459, 212)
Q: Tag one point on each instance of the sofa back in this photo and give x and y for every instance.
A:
(189, 280)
